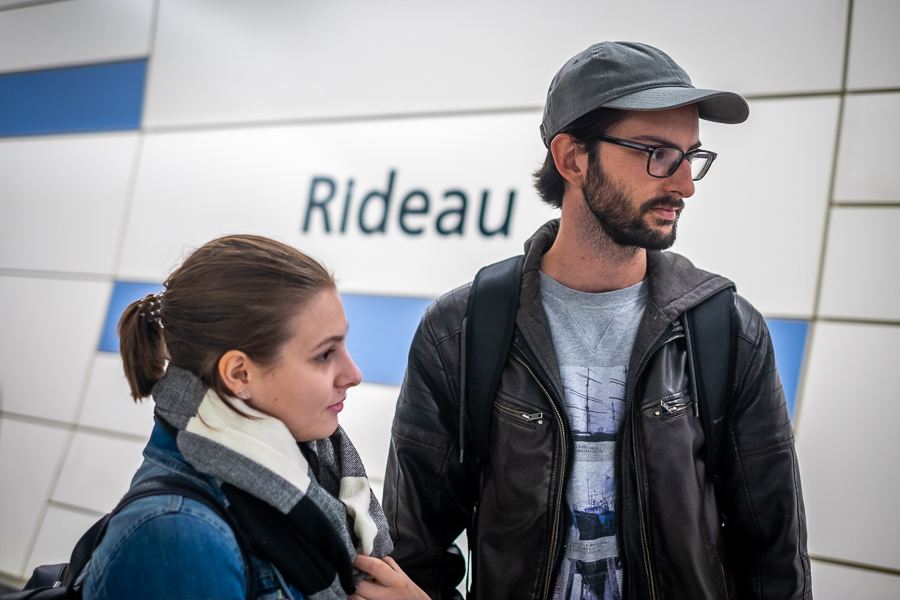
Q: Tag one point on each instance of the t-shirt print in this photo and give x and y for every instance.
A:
(595, 404)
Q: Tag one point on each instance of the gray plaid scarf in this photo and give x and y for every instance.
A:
(307, 508)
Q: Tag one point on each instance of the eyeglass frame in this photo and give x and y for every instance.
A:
(689, 156)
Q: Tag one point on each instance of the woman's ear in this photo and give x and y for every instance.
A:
(570, 159)
(233, 369)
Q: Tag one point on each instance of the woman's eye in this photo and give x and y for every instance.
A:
(326, 355)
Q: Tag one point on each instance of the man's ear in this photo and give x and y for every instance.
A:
(233, 367)
(570, 159)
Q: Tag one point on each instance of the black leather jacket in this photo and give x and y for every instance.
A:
(676, 541)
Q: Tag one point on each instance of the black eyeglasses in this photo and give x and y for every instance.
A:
(663, 161)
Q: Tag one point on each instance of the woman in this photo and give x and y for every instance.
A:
(244, 354)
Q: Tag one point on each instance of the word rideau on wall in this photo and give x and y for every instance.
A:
(415, 212)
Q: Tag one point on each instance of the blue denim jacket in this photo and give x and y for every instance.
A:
(165, 547)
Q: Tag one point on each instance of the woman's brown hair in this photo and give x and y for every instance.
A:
(237, 292)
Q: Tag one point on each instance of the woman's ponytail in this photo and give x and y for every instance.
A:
(141, 344)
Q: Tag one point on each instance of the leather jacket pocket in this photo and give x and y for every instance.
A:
(674, 405)
(524, 417)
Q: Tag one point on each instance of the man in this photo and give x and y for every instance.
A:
(596, 483)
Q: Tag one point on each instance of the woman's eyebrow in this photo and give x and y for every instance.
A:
(339, 337)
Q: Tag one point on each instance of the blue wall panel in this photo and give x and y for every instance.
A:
(105, 97)
(381, 330)
(789, 340)
(123, 294)
(382, 327)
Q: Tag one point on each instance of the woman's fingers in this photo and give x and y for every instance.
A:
(386, 581)
(375, 567)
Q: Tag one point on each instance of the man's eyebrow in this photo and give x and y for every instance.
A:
(663, 141)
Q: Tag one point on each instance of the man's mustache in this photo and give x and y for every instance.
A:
(663, 202)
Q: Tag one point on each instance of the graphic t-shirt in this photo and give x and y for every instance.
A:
(593, 335)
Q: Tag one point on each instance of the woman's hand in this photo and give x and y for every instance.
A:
(385, 581)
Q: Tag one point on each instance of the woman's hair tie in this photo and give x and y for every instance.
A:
(151, 307)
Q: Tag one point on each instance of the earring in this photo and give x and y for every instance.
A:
(244, 394)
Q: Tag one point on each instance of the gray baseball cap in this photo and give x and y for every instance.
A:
(629, 76)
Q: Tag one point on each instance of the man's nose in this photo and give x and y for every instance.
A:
(681, 182)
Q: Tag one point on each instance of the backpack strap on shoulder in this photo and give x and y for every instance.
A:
(490, 323)
(160, 485)
(711, 336)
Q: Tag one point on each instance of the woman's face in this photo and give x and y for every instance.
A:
(308, 384)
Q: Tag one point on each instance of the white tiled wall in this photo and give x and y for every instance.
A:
(50, 332)
(247, 102)
(70, 193)
(106, 403)
(369, 414)
(193, 186)
(61, 530)
(73, 33)
(875, 45)
(278, 60)
(840, 583)
(861, 273)
(759, 214)
(97, 471)
(847, 443)
(866, 170)
(29, 465)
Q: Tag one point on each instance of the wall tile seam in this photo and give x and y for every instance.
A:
(475, 112)
(362, 118)
(27, 4)
(844, 320)
(824, 93)
(864, 204)
(74, 427)
(861, 566)
(62, 461)
(50, 491)
(75, 508)
(803, 379)
(424, 115)
(52, 275)
(873, 91)
(136, 161)
(11, 581)
(127, 58)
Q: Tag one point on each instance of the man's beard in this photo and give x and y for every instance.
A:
(622, 222)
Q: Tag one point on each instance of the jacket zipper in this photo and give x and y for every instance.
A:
(564, 453)
(724, 581)
(527, 417)
(645, 548)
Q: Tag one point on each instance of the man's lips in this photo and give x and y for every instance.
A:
(667, 211)
(664, 212)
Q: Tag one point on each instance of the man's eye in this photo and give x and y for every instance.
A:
(665, 155)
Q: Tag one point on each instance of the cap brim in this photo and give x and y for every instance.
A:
(713, 105)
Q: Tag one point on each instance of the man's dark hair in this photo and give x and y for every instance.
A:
(549, 183)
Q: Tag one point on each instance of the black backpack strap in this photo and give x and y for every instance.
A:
(490, 322)
(161, 485)
(711, 335)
